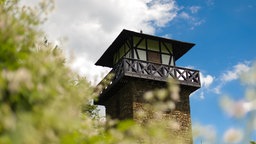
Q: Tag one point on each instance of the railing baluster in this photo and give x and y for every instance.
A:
(150, 70)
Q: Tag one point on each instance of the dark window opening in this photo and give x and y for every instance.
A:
(154, 57)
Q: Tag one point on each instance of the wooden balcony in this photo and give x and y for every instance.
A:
(151, 71)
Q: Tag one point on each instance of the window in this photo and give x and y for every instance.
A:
(165, 59)
(136, 40)
(152, 50)
(142, 55)
(139, 42)
(172, 63)
(154, 57)
(166, 48)
(153, 45)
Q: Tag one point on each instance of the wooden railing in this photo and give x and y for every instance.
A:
(152, 71)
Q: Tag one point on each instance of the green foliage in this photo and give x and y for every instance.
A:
(18, 30)
(40, 98)
(43, 101)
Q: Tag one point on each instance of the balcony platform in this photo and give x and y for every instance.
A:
(132, 68)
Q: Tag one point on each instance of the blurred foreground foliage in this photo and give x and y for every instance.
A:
(42, 100)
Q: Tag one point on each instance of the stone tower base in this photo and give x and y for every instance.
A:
(128, 100)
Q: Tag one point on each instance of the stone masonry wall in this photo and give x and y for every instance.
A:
(119, 105)
(181, 114)
(129, 99)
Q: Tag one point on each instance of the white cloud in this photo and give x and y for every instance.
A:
(194, 9)
(210, 2)
(235, 72)
(201, 95)
(188, 14)
(84, 67)
(190, 67)
(184, 15)
(240, 70)
(217, 89)
(168, 36)
(198, 23)
(91, 25)
(206, 81)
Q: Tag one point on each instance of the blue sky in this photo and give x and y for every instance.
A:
(223, 30)
(225, 38)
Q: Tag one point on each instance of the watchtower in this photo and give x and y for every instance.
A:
(140, 63)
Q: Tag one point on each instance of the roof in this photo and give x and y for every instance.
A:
(179, 47)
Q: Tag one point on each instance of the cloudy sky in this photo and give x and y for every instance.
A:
(223, 30)
(91, 25)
